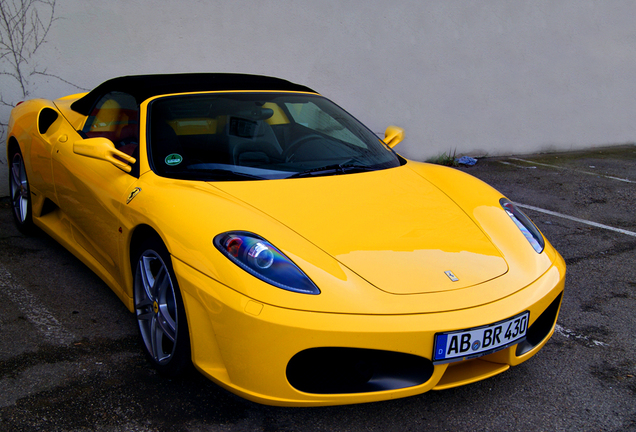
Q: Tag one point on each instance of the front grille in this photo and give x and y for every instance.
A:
(334, 370)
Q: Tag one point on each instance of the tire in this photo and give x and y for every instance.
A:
(20, 192)
(161, 316)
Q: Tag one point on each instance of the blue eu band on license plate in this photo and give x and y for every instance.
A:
(463, 344)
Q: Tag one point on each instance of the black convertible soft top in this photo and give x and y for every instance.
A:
(142, 87)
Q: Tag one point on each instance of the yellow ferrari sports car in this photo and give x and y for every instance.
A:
(262, 234)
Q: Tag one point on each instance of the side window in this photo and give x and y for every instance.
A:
(116, 117)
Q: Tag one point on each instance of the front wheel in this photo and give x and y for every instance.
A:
(159, 307)
(20, 191)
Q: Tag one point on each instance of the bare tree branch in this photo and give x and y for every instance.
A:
(44, 73)
(24, 26)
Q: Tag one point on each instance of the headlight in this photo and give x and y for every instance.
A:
(260, 258)
(523, 222)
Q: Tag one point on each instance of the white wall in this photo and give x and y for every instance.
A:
(495, 77)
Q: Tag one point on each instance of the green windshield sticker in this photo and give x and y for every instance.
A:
(173, 159)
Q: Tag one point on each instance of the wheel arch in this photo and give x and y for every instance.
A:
(12, 142)
(13, 145)
(140, 234)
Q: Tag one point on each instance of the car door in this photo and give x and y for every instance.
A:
(90, 192)
(51, 129)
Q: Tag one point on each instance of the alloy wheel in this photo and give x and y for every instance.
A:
(156, 307)
(19, 189)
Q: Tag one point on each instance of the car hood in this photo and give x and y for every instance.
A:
(392, 227)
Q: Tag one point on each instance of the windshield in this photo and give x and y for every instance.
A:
(257, 136)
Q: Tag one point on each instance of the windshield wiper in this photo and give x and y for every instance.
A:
(332, 169)
(216, 174)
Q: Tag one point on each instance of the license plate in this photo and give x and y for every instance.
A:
(470, 343)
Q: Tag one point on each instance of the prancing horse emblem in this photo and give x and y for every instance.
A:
(133, 194)
(451, 276)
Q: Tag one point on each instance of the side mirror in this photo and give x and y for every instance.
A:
(393, 136)
(104, 149)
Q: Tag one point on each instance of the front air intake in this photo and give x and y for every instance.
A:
(540, 329)
(333, 370)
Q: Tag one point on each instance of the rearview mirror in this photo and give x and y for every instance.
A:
(104, 149)
(393, 136)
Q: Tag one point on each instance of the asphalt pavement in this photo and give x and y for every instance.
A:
(70, 358)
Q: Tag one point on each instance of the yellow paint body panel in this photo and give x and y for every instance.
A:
(377, 244)
(227, 338)
(408, 230)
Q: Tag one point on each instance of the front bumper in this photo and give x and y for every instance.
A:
(247, 346)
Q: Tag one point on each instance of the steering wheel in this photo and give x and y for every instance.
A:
(288, 154)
